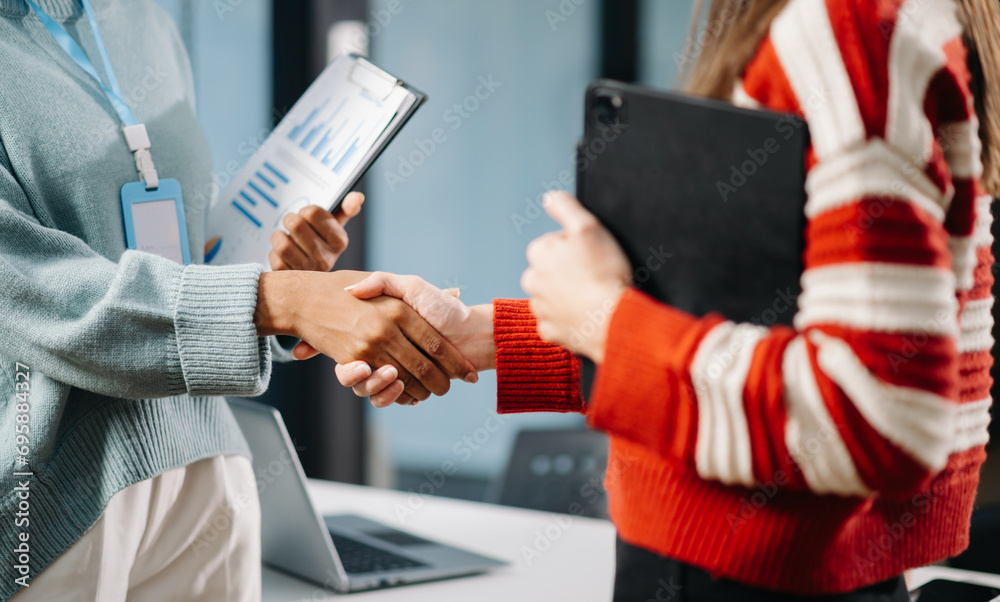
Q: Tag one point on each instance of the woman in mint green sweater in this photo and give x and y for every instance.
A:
(113, 362)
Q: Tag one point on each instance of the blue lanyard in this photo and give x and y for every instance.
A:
(69, 45)
(135, 132)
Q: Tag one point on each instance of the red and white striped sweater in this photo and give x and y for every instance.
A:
(839, 453)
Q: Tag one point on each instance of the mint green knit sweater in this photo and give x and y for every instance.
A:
(127, 353)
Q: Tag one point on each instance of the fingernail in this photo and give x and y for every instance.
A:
(363, 371)
(472, 378)
(388, 372)
(350, 288)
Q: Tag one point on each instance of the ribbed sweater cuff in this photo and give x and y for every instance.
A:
(639, 390)
(217, 341)
(532, 375)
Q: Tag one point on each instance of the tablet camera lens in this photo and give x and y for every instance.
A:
(608, 107)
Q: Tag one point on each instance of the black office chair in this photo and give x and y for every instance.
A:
(556, 471)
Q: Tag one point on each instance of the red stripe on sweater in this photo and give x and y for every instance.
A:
(974, 369)
(882, 229)
(764, 405)
(881, 465)
(961, 219)
(861, 32)
(911, 359)
(764, 80)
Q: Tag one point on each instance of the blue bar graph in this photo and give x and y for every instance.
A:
(319, 136)
(262, 194)
(347, 156)
(277, 173)
(297, 130)
(248, 198)
(246, 213)
(327, 140)
(264, 179)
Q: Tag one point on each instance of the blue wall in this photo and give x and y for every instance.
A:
(230, 46)
(663, 29)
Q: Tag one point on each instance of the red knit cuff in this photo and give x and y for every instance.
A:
(532, 375)
(639, 391)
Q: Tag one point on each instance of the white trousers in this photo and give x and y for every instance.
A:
(191, 534)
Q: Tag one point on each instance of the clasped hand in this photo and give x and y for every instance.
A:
(575, 278)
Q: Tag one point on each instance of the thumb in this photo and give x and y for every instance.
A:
(350, 207)
(304, 351)
(375, 285)
(567, 211)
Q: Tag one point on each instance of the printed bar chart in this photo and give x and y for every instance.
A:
(311, 158)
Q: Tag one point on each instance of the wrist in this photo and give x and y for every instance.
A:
(595, 346)
(273, 314)
(482, 344)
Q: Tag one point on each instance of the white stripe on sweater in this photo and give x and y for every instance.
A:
(807, 49)
(879, 297)
(972, 425)
(915, 55)
(976, 321)
(920, 423)
(962, 148)
(812, 438)
(871, 170)
(742, 99)
(719, 372)
(963, 248)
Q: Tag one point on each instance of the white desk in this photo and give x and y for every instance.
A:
(577, 565)
(918, 577)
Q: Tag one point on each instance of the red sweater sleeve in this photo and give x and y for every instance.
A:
(885, 374)
(532, 375)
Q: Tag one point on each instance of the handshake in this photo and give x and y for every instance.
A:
(399, 339)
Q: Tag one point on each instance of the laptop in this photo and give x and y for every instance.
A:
(346, 553)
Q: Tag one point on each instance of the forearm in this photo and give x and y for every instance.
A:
(143, 327)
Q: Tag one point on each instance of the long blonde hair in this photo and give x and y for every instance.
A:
(719, 47)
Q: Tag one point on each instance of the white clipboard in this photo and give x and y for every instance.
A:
(315, 156)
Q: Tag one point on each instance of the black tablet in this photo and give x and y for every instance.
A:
(706, 199)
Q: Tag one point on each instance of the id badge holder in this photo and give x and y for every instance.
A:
(154, 220)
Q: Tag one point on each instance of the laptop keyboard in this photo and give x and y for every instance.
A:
(359, 558)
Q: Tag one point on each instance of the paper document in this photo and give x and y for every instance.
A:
(313, 157)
